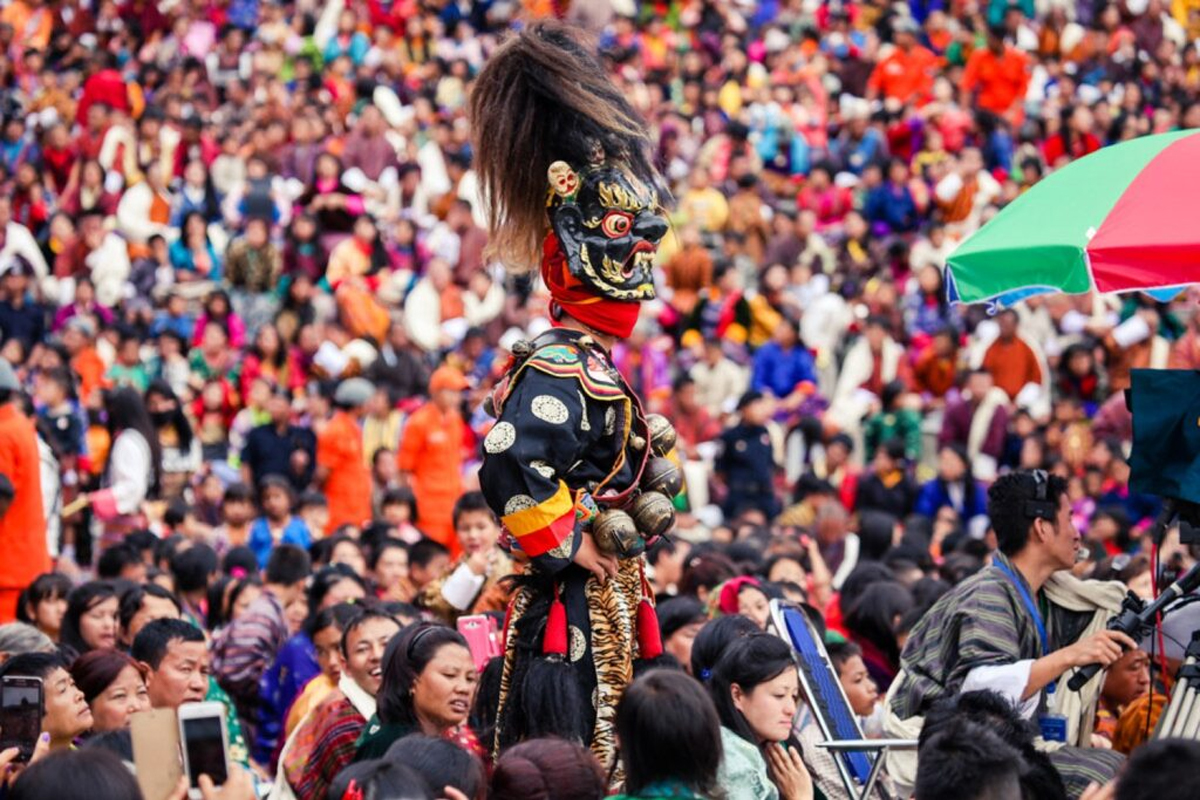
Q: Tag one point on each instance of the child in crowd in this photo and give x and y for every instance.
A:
(471, 585)
(860, 689)
(398, 508)
(277, 525)
(427, 560)
(237, 516)
(314, 512)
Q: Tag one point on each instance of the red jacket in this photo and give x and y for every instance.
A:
(106, 86)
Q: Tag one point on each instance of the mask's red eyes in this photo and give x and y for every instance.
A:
(616, 224)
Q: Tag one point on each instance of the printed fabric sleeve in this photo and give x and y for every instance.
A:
(989, 632)
(540, 435)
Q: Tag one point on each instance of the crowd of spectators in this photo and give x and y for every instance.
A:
(248, 321)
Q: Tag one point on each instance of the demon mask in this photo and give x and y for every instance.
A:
(607, 226)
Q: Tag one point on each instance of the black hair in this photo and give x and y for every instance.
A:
(875, 529)
(967, 761)
(194, 567)
(358, 621)
(375, 532)
(321, 551)
(400, 496)
(177, 512)
(425, 551)
(669, 731)
(401, 610)
(223, 596)
(381, 779)
(796, 556)
(167, 549)
(33, 665)
(486, 708)
(134, 598)
(87, 774)
(748, 662)
(678, 612)
(405, 659)
(997, 714)
(119, 743)
(469, 502)
(143, 541)
(126, 410)
(548, 769)
(439, 762)
(177, 419)
(872, 617)
(115, 559)
(338, 616)
(323, 581)
(1008, 508)
(47, 586)
(986, 708)
(862, 577)
(714, 639)
(276, 482)
(840, 653)
(287, 565)
(152, 642)
(237, 493)
(707, 570)
(385, 544)
(1160, 770)
(240, 558)
(81, 600)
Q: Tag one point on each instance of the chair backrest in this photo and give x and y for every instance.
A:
(823, 689)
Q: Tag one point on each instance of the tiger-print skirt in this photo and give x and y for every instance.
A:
(602, 645)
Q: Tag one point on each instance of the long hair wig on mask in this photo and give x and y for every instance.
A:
(544, 97)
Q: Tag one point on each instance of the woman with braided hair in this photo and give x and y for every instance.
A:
(573, 467)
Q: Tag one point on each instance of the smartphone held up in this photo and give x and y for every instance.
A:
(204, 741)
(21, 703)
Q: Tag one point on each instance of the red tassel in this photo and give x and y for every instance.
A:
(649, 636)
(648, 633)
(554, 643)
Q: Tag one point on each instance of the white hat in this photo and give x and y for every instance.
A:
(8, 377)
(353, 392)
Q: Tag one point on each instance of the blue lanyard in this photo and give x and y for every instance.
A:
(1030, 606)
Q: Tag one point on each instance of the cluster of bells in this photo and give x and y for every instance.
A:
(625, 533)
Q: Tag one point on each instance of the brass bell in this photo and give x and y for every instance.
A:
(661, 475)
(616, 533)
(654, 514)
(662, 434)
(637, 442)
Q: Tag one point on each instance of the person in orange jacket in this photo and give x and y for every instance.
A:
(431, 456)
(341, 469)
(22, 523)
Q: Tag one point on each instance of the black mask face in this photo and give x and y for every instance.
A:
(608, 229)
(161, 418)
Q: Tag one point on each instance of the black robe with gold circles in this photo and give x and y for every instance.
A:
(567, 426)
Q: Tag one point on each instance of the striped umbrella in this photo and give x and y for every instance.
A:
(1125, 218)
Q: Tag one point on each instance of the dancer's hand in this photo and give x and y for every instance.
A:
(602, 565)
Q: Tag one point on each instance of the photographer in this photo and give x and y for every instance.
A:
(1017, 628)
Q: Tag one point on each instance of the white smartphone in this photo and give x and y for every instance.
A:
(205, 743)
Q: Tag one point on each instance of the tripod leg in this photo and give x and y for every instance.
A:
(1189, 726)
(1171, 713)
